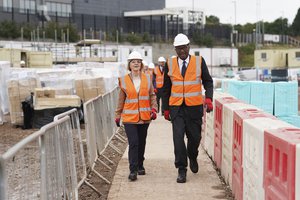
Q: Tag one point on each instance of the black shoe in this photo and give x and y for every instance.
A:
(132, 176)
(181, 176)
(194, 165)
(141, 171)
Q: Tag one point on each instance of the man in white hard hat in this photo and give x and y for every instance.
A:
(159, 81)
(183, 103)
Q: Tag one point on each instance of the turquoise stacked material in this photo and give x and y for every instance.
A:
(240, 89)
(294, 120)
(225, 83)
(262, 95)
(285, 98)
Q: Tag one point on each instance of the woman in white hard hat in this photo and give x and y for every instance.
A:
(183, 102)
(137, 107)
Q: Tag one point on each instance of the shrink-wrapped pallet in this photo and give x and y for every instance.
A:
(46, 98)
(89, 88)
(18, 91)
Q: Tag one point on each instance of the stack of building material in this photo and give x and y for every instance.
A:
(89, 88)
(18, 91)
(262, 95)
(45, 98)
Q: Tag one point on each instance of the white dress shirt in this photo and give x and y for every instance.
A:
(180, 62)
(136, 83)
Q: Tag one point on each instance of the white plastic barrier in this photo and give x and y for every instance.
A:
(253, 154)
(227, 137)
(209, 133)
(297, 173)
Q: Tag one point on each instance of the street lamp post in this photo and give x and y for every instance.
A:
(233, 30)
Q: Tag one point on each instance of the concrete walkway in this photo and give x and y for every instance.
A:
(160, 179)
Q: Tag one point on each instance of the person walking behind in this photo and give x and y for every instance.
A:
(183, 103)
(137, 107)
(159, 81)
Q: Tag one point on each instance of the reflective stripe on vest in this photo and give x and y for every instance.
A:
(189, 87)
(159, 77)
(136, 105)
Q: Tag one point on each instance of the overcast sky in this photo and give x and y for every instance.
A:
(246, 10)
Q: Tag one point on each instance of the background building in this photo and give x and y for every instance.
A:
(104, 18)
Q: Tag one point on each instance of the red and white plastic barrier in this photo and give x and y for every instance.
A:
(253, 156)
(209, 132)
(281, 169)
(237, 147)
(227, 137)
(218, 127)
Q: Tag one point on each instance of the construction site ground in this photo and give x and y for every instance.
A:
(160, 179)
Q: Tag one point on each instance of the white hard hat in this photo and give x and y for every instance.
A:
(22, 62)
(161, 59)
(181, 39)
(135, 55)
(151, 66)
(145, 63)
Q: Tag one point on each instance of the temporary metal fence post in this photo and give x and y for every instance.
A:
(66, 178)
(90, 124)
(73, 114)
(41, 166)
(3, 182)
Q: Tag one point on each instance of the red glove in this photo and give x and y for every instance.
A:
(167, 115)
(153, 114)
(208, 104)
(155, 90)
(117, 120)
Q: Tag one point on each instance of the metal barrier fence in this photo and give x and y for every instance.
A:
(100, 128)
(77, 144)
(50, 163)
(41, 166)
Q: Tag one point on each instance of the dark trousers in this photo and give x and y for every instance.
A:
(136, 134)
(186, 120)
(158, 97)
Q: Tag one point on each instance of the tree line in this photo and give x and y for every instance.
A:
(279, 26)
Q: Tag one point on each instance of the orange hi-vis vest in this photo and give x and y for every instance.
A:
(150, 73)
(137, 105)
(159, 77)
(186, 89)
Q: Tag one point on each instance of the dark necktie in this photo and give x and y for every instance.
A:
(183, 69)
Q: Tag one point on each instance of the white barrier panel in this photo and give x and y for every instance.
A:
(297, 173)
(209, 133)
(253, 154)
(227, 137)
